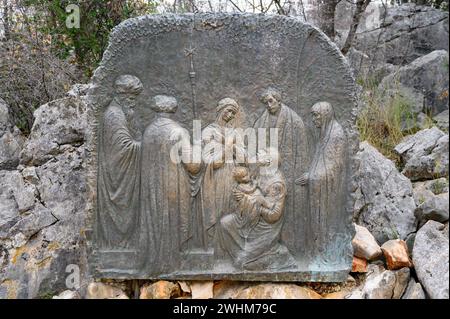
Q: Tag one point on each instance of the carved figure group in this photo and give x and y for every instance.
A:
(173, 212)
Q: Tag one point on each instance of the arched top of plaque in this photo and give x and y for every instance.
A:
(236, 55)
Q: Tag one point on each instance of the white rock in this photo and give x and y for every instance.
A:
(424, 154)
(385, 203)
(365, 245)
(431, 259)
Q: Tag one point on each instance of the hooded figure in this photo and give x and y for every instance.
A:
(165, 193)
(119, 151)
(326, 179)
(294, 155)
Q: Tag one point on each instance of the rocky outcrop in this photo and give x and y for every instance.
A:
(431, 259)
(426, 77)
(424, 154)
(42, 206)
(402, 34)
(385, 203)
(11, 140)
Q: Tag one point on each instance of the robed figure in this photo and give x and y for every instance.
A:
(294, 154)
(217, 179)
(165, 193)
(326, 181)
(119, 151)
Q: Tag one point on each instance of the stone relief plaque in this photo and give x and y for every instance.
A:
(223, 148)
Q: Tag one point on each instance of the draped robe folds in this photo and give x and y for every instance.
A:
(165, 196)
(327, 186)
(293, 148)
(252, 237)
(118, 186)
(217, 180)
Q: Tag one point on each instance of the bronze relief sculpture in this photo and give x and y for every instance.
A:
(171, 202)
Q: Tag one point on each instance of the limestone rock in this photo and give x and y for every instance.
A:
(441, 120)
(431, 259)
(57, 124)
(266, 291)
(202, 289)
(424, 154)
(365, 245)
(11, 140)
(160, 290)
(414, 291)
(403, 33)
(396, 254)
(359, 265)
(435, 209)
(98, 290)
(384, 203)
(42, 211)
(68, 294)
(427, 75)
(403, 276)
(385, 284)
(424, 191)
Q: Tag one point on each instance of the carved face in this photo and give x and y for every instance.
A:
(273, 106)
(317, 118)
(229, 113)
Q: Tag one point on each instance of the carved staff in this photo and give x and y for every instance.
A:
(192, 74)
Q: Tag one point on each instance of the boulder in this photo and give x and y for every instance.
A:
(436, 208)
(380, 283)
(426, 76)
(424, 154)
(359, 265)
(202, 289)
(269, 291)
(414, 291)
(441, 120)
(160, 290)
(401, 34)
(57, 124)
(431, 259)
(384, 198)
(396, 253)
(426, 190)
(68, 294)
(365, 245)
(98, 290)
(11, 140)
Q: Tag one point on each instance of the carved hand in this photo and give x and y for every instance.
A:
(303, 180)
(238, 195)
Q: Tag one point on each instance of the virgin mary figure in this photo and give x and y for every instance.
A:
(213, 185)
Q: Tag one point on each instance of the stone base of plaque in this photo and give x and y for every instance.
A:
(117, 263)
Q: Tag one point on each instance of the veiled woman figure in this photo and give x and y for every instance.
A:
(326, 178)
(252, 234)
(217, 182)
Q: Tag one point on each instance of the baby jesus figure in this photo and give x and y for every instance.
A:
(251, 200)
